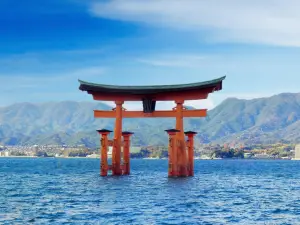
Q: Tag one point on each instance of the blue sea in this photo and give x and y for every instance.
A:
(70, 191)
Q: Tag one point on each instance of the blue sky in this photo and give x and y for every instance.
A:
(47, 45)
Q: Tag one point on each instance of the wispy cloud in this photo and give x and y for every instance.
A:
(249, 96)
(271, 22)
(57, 86)
(174, 60)
(28, 79)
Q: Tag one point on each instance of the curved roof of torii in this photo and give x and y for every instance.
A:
(215, 84)
(150, 94)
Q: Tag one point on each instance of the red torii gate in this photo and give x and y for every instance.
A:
(181, 160)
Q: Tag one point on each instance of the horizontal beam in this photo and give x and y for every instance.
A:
(173, 96)
(141, 114)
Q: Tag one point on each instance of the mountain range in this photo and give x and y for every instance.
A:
(261, 120)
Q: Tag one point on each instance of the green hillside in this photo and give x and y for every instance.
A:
(263, 120)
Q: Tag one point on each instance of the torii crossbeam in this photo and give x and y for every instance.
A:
(180, 158)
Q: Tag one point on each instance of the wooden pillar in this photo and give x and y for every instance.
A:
(103, 151)
(126, 152)
(182, 155)
(116, 154)
(172, 152)
(190, 135)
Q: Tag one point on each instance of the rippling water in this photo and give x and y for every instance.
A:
(62, 191)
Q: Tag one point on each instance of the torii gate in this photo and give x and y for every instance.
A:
(181, 159)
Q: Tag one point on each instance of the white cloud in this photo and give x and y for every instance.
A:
(29, 80)
(174, 60)
(201, 104)
(87, 72)
(60, 86)
(273, 22)
(246, 96)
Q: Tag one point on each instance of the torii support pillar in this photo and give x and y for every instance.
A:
(181, 149)
(190, 144)
(116, 153)
(103, 152)
(126, 152)
(172, 152)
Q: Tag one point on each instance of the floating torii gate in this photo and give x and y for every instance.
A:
(181, 152)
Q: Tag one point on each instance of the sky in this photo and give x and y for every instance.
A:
(46, 46)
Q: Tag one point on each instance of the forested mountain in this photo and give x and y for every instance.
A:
(263, 120)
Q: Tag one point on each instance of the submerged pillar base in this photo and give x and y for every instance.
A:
(190, 144)
(123, 168)
(179, 167)
(172, 152)
(126, 152)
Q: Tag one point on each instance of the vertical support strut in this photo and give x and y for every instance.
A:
(126, 152)
(103, 151)
(190, 135)
(116, 153)
(172, 152)
(181, 155)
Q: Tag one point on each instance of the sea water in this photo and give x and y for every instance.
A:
(70, 191)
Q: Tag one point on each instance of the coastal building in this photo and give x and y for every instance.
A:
(297, 152)
(247, 155)
(5, 154)
(203, 157)
(93, 156)
(262, 156)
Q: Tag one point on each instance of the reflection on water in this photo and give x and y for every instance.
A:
(222, 192)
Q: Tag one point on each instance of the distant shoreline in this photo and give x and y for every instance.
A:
(14, 156)
(146, 158)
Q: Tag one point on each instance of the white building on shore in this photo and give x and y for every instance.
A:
(5, 154)
(297, 152)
